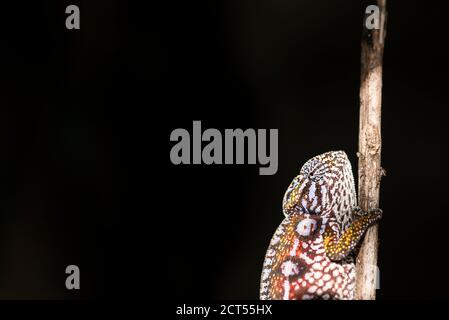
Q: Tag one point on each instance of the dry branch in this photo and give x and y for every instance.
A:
(370, 144)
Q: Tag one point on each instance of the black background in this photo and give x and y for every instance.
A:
(86, 117)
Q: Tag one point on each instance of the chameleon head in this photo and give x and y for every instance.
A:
(325, 184)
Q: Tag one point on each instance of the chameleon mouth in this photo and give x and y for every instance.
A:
(302, 209)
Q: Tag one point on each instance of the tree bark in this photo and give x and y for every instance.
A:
(370, 144)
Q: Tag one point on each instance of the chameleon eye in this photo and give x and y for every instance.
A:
(315, 177)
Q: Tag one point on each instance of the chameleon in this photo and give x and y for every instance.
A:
(311, 255)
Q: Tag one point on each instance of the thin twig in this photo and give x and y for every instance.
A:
(370, 144)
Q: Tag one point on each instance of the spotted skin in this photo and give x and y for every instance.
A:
(311, 253)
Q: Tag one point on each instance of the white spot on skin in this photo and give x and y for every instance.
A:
(289, 268)
(295, 247)
(304, 203)
(268, 261)
(317, 266)
(312, 289)
(312, 191)
(275, 241)
(324, 197)
(306, 258)
(265, 274)
(286, 290)
(327, 286)
(306, 227)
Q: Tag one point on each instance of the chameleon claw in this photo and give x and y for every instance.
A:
(358, 212)
(378, 212)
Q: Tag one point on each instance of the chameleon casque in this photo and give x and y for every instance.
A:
(311, 254)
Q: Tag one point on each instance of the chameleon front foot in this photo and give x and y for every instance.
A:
(337, 248)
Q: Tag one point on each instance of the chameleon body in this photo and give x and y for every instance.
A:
(311, 255)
